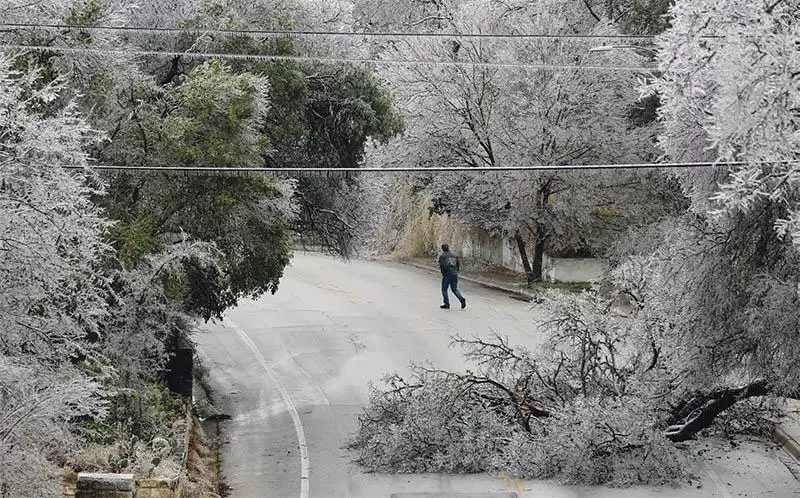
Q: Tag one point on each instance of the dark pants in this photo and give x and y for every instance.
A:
(450, 281)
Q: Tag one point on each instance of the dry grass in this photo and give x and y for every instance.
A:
(425, 232)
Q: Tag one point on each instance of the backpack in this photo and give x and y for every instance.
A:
(450, 263)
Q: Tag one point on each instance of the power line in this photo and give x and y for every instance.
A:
(311, 58)
(440, 169)
(354, 34)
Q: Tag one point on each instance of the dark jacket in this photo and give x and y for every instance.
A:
(443, 264)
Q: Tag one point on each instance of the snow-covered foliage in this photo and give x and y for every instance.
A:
(52, 234)
(707, 314)
(54, 290)
(76, 328)
(39, 404)
(723, 280)
(152, 312)
(512, 116)
(731, 92)
(580, 409)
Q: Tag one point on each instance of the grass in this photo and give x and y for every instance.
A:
(574, 287)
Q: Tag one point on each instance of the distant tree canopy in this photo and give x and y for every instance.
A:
(491, 117)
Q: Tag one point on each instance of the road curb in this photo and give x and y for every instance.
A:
(789, 443)
(484, 283)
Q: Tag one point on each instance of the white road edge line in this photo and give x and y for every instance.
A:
(305, 464)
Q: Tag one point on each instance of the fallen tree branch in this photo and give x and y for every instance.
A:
(709, 405)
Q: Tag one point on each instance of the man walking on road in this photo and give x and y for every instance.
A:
(449, 266)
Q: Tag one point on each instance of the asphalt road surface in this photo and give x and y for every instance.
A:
(292, 371)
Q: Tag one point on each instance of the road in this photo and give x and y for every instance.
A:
(292, 371)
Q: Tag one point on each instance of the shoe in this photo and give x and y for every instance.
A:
(463, 303)
(445, 306)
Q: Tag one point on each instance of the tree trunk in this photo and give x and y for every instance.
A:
(173, 71)
(538, 259)
(710, 405)
(526, 264)
(543, 194)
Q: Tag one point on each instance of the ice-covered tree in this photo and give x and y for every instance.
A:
(211, 119)
(730, 93)
(724, 280)
(705, 323)
(489, 116)
(54, 288)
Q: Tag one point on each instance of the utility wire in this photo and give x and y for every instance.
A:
(353, 34)
(311, 58)
(440, 169)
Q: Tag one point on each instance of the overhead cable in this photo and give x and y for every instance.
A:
(415, 169)
(351, 34)
(312, 58)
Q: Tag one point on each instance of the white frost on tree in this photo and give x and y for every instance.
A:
(484, 116)
(51, 232)
(719, 286)
(731, 92)
(54, 292)
(707, 316)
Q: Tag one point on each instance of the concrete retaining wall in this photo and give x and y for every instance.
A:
(503, 252)
(90, 485)
(574, 269)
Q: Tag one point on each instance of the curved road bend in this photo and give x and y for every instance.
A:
(292, 371)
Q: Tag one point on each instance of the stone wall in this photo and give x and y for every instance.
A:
(97, 485)
(159, 488)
